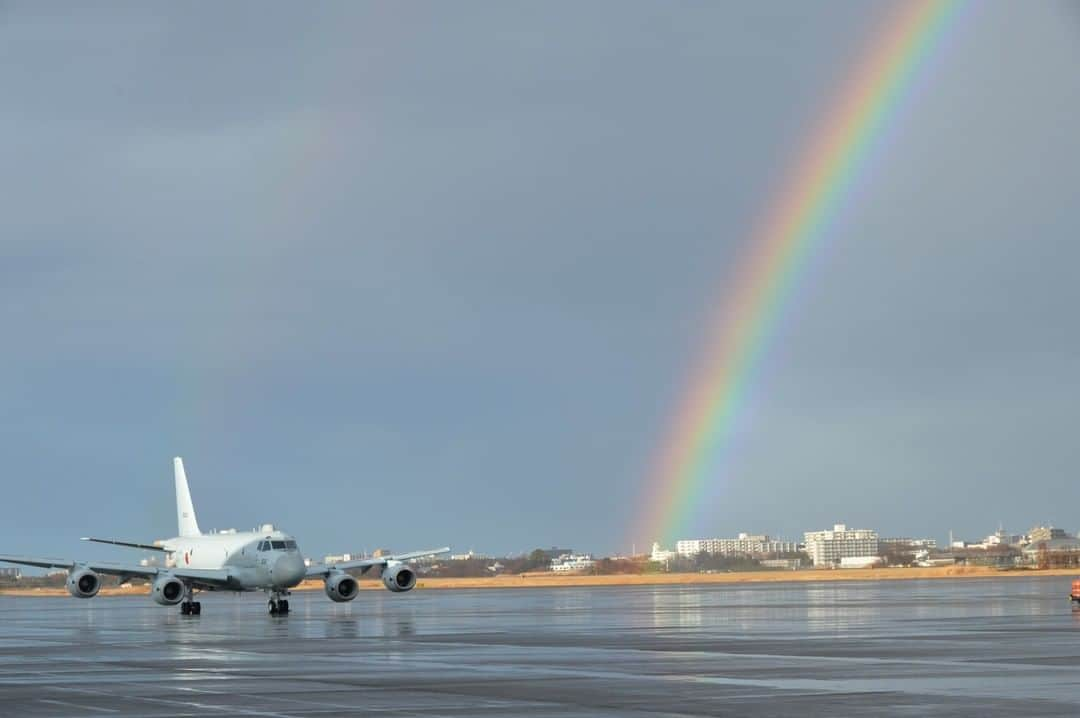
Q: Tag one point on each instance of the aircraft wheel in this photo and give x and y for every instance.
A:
(283, 606)
(272, 607)
(196, 608)
(185, 608)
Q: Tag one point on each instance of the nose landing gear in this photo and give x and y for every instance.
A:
(278, 605)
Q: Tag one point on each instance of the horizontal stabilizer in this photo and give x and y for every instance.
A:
(128, 544)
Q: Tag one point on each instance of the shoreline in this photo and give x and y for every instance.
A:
(548, 580)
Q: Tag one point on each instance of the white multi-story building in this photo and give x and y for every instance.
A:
(745, 544)
(829, 548)
(661, 555)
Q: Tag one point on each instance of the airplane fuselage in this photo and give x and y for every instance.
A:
(255, 560)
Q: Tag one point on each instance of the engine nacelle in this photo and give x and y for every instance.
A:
(168, 590)
(83, 583)
(399, 578)
(341, 587)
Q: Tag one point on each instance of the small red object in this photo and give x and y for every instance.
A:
(1075, 593)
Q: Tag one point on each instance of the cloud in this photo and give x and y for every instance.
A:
(461, 258)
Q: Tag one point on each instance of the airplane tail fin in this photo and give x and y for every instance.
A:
(185, 512)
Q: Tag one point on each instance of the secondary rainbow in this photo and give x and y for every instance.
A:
(811, 196)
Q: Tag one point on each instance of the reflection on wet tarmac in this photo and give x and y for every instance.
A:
(964, 647)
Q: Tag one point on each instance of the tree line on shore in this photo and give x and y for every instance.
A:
(539, 560)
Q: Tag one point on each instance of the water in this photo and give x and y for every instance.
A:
(972, 647)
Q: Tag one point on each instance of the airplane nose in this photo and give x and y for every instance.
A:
(288, 570)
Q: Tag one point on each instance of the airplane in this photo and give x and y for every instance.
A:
(263, 560)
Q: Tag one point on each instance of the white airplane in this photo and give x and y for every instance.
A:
(265, 560)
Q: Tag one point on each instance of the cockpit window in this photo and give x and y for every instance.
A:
(290, 545)
(264, 545)
(278, 545)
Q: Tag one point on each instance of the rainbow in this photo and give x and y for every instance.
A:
(811, 196)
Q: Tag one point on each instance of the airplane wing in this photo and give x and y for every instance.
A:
(203, 578)
(39, 562)
(364, 564)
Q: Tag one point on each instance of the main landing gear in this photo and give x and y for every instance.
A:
(278, 604)
(189, 607)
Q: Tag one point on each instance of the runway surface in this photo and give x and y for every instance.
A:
(897, 648)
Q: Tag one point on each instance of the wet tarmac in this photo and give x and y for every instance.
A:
(900, 648)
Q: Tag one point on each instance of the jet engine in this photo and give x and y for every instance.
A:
(83, 583)
(168, 590)
(398, 578)
(341, 587)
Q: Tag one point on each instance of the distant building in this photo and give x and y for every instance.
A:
(790, 564)
(744, 545)
(1045, 533)
(997, 539)
(554, 552)
(570, 562)
(661, 555)
(10, 574)
(915, 543)
(1001, 538)
(928, 561)
(467, 556)
(861, 561)
(1063, 551)
(337, 559)
(829, 548)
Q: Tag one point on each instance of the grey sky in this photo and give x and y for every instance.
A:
(400, 274)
